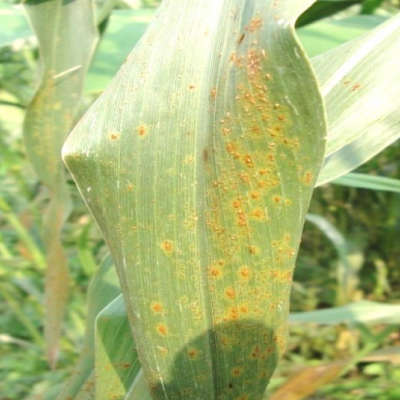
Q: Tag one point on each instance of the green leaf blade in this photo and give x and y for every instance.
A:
(359, 84)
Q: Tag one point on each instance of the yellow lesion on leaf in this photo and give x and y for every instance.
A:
(253, 249)
(162, 329)
(157, 307)
(244, 272)
(244, 309)
(167, 246)
(258, 214)
(230, 293)
(215, 272)
(142, 130)
(114, 135)
(255, 195)
(236, 371)
(232, 314)
(193, 353)
(308, 178)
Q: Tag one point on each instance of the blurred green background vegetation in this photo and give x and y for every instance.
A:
(349, 252)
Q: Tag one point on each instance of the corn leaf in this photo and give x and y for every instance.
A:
(366, 312)
(361, 90)
(116, 359)
(371, 182)
(328, 33)
(66, 36)
(13, 24)
(350, 259)
(103, 288)
(308, 380)
(103, 9)
(139, 389)
(198, 163)
(124, 29)
(324, 8)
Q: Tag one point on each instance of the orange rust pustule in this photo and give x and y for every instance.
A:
(157, 307)
(167, 246)
(142, 130)
(162, 329)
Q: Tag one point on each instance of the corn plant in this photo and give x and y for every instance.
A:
(198, 163)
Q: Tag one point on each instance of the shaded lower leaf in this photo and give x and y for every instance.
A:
(139, 389)
(116, 358)
(103, 288)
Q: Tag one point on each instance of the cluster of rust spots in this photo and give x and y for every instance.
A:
(130, 187)
(258, 353)
(353, 86)
(281, 201)
(281, 276)
(282, 249)
(254, 25)
(215, 270)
